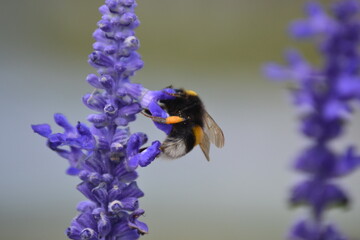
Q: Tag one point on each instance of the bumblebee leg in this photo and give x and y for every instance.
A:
(142, 149)
(146, 112)
(168, 120)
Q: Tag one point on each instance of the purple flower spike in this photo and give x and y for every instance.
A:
(105, 155)
(327, 93)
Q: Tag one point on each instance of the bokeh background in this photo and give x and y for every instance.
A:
(213, 47)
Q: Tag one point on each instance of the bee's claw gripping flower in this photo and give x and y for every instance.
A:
(326, 93)
(106, 155)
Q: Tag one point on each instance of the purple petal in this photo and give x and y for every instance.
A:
(131, 43)
(124, 175)
(95, 178)
(110, 109)
(85, 206)
(96, 213)
(133, 162)
(127, 3)
(134, 223)
(98, 59)
(304, 100)
(89, 234)
(315, 126)
(130, 203)
(116, 192)
(130, 109)
(73, 232)
(129, 176)
(335, 196)
(103, 9)
(86, 139)
(127, 18)
(149, 97)
(134, 143)
(83, 130)
(42, 129)
(132, 190)
(133, 89)
(107, 82)
(56, 139)
(104, 225)
(105, 25)
(157, 111)
(149, 154)
(301, 29)
(300, 69)
(84, 220)
(348, 162)
(313, 8)
(131, 64)
(304, 231)
(348, 86)
(276, 72)
(319, 195)
(115, 207)
(61, 120)
(85, 188)
(98, 119)
(93, 80)
(94, 101)
(331, 233)
(309, 231)
(121, 135)
(317, 160)
(337, 109)
(140, 226)
(72, 171)
(100, 193)
(294, 58)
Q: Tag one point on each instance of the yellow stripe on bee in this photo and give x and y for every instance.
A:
(174, 119)
(198, 133)
(191, 92)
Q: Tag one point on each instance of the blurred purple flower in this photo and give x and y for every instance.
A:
(326, 93)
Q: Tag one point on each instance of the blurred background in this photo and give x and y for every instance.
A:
(216, 48)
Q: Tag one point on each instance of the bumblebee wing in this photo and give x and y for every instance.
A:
(213, 131)
(205, 146)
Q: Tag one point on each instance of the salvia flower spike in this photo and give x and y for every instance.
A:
(105, 155)
(323, 95)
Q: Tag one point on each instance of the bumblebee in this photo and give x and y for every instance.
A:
(191, 125)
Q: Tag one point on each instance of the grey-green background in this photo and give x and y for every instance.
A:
(213, 47)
